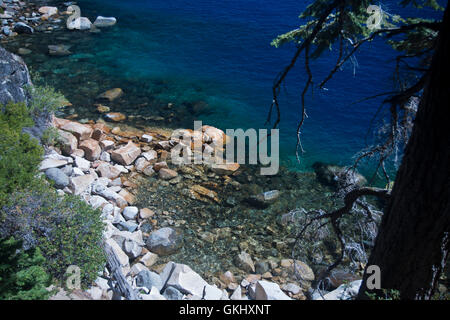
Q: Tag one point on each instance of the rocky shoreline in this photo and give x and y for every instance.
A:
(106, 165)
(25, 17)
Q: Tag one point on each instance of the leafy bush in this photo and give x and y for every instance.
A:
(19, 154)
(22, 275)
(50, 136)
(67, 230)
(44, 99)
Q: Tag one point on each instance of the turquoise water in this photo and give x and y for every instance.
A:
(218, 53)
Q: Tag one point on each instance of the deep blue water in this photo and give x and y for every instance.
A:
(220, 50)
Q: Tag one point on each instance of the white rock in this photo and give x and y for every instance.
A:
(105, 156)
(116, 182)
(343, 292)
(132, 248)
(149, 259)
(266, 290)
(95, 293)
(150, 155)
(141, 163)
(83, 164)
(48, 11)
(108, 209)
(97, 201)
(56, 156)
(292, 288)
(103, 181)
(80, 184)
(109, 230)
(187, 281)
(118, 252)
(153, 295)
(51, 163)
(146, 138)
(121, 168)
(130, 213)
(121, 236)
(237, 294)
(102, 283)
(136, 268)
(77, 172)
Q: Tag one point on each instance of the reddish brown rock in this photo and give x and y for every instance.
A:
(127, 195)
(146, 213)
(112, 94)
(91, 149)
(77, 153)
(160, 165)
(68, 142)
(115, 116)
(97, 134)
(167, 174)
(201, 193)
(59, 122)
(80, 131)
(127, 154)
(108, 171)
(225, 168)
(214, 135)
(106, 145)
(101, 108)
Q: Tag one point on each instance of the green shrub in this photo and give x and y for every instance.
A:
(44, 99)
(67, 230)
(19, 154)
(22, 275)
(50, 136)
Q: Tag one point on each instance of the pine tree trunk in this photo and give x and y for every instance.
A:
(413, 240)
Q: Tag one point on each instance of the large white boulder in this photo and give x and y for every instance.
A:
(266, 290)
(187, 281)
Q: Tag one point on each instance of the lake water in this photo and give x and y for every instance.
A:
(217, 57)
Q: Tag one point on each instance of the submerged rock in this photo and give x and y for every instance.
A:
(59, 50)
(164, 241)
(245, 262)
(333, 175)
(111, 95)
(48, 11)
(115, 116)
(263, 200)
(102, 22)
(21, 27)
